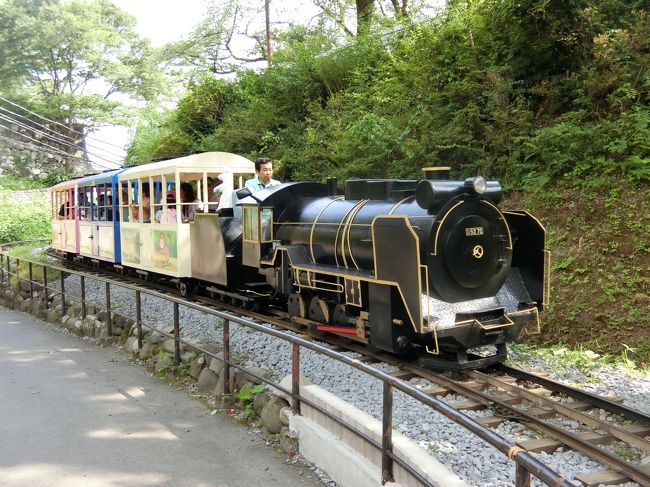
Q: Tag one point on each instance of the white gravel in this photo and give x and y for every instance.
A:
(469, 457)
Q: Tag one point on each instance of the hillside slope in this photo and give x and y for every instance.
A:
(600, 279)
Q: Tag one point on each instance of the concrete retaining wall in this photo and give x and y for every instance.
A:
(347, 458)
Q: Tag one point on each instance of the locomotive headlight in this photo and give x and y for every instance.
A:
(480, 184)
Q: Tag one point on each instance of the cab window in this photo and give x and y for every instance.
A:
(251, 223)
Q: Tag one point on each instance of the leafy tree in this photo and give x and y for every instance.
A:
(69, 60)
(212, 45)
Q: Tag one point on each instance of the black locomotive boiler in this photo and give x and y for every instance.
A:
(430, 267)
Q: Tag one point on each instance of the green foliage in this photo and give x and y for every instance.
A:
(462, 90)
(248, 393)
(12, 183)
(56, 176)
(600, 244)
(23, 221)
(246, 396)
(34, 252)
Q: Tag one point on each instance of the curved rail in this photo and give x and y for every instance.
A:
(598, 401)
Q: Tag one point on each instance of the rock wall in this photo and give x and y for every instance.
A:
(20, 156)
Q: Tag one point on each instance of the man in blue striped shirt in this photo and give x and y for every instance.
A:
(264, 172)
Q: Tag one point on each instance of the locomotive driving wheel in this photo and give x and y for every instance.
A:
(341, 316)
(319, 310)
(296, 305)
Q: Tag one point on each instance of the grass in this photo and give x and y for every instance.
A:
(585, 360)
(26, 253)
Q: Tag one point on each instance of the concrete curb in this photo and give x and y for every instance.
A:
(347, 458)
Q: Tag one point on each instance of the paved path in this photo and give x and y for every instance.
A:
(72, 414)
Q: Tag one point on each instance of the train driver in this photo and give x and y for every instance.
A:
(264, 173)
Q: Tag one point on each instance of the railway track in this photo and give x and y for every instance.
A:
(554, 415)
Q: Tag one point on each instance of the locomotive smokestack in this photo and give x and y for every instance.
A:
(331, 187)
(436, 173)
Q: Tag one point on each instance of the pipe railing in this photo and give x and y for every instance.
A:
(526, 464)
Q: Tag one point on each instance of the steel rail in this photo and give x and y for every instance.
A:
(598, 401)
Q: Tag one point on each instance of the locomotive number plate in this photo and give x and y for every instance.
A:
(474, 231)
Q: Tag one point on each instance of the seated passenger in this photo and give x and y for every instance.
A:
(169, 215)
(64, 210)
(146, 206)
(190, 202)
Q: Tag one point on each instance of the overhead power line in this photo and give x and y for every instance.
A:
(45, 118)
(50, 148)
(39, 150)
(53, 138)
(59, 134)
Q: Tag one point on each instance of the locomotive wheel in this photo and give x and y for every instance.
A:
(296, 306)
(340, 315)
(250, 305)
(319, 310)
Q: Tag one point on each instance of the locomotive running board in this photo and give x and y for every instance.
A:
(461, 360)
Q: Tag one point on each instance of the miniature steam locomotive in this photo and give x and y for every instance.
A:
(430, 268)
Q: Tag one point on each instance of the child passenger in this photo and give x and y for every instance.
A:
(169, 215)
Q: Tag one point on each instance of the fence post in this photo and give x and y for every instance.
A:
(2, 267)
(138, 317)
(83, 297)
(177, 336)
(522, 476)
(18, 274)
(387, 436)
(31, 280)
(64, 306)
(8, 272)
(295, 378)
(109, 317)
(226, 357)
(47, 292)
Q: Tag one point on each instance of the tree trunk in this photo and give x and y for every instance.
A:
(269, 47)
(365, 9)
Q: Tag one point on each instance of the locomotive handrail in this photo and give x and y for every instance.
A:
(526, 464)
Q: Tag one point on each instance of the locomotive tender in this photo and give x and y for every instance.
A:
(427, 267)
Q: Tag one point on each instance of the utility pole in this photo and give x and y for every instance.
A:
(269, 48)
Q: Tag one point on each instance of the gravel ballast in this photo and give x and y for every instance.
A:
(468, 456)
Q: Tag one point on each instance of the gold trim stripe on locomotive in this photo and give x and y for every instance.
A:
(349, 232)
(342, 224)
(440, 223)
(313, 226)
(398, 204)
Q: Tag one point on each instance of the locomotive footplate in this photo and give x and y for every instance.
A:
(470, 333)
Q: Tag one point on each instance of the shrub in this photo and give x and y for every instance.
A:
(23, 221)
